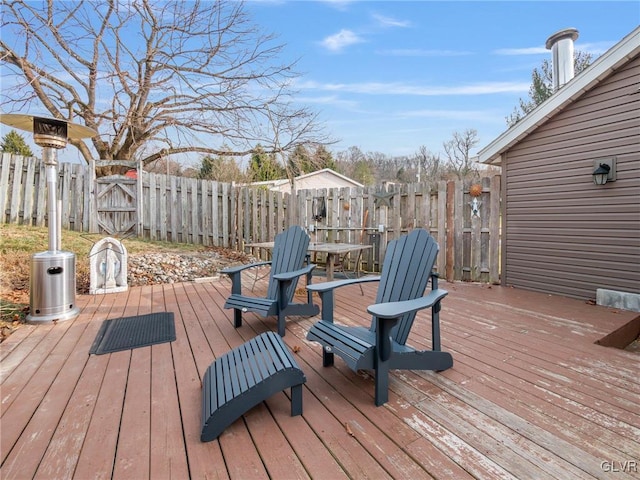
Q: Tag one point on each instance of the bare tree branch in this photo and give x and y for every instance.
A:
(147, 75)
(458, 151)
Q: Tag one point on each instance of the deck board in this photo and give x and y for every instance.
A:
(96, 457)
(271, 443)
(62, 453)
(201, 458)
(530, 395)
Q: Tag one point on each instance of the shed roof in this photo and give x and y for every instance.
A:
(325, 172)
(599, 70)
(330, 172)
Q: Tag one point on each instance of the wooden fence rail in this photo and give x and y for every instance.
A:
(188, 210)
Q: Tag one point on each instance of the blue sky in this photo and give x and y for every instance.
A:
(391, 76)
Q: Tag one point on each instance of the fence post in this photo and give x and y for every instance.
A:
(494, 230)
(458, 230)
(442, 226)
(139, 202)
(475, 267)
(450, 232)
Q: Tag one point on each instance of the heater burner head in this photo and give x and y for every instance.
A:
(48, 132)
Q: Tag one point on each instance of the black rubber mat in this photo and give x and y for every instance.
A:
(133, 332)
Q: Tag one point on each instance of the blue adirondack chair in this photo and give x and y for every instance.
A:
(287, 266)
(406, 270)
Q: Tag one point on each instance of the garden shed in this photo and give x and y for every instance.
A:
(325, 178)
(563, 233)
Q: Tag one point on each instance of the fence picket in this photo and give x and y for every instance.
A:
(28, 197)
(64, 182)
(16, 190)
(7, 159)
(216, 212)
(164, 212)
(226, 241)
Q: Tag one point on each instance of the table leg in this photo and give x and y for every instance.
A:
(329, 266)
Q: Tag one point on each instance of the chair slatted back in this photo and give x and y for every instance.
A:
(289, 252)
(406, 268)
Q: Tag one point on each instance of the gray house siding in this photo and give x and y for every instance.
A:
(565, 235)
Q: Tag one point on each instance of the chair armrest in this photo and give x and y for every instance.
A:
(397, 309)
(239, 268)
(295, 274)
(325, 290)
(327, 286)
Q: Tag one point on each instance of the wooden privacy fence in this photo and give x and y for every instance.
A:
(187, 210)
(468, 232)
(23, 193)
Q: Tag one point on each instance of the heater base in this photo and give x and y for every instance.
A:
(52, 294)
(54, 317)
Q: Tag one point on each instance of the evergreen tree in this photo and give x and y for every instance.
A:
(220, 169)
(542, 86)
(13, 142)
(322, 158)
(300, 162)
(363, 172)
(264, 167)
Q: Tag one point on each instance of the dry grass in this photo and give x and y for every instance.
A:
(19, 242)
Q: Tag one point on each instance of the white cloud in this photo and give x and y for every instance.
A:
(397, 88)
(596, 49)
(342, 39)
(345, 37)
(390, 22)
(333, 100)
(416, 52)
(521, 51)
(467, 115)
(339, 4)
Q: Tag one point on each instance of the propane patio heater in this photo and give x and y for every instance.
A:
(52, 292)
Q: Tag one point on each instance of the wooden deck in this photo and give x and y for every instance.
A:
(530, 396)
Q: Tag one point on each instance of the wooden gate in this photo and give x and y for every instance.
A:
(117, 201)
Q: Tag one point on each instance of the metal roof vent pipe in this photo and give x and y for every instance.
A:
(561, 46)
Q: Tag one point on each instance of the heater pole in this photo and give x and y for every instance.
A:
(49, 156)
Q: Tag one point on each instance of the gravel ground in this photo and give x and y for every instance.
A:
(156, 268)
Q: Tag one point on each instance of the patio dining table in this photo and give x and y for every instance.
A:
(332, 250)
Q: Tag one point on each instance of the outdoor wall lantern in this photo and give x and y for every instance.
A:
(601, 173)
(605, 171)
